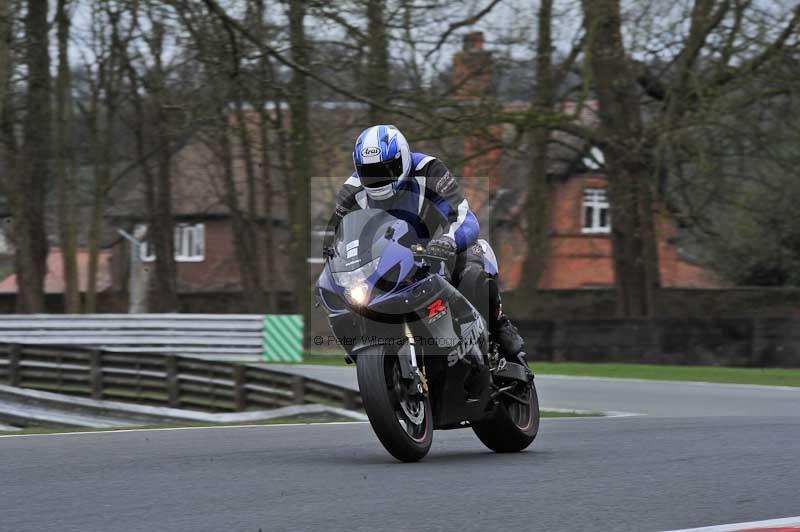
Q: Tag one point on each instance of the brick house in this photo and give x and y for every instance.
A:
(205, 254)
(579, 244)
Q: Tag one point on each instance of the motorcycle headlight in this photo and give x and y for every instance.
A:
(355, 282)
(357, 294)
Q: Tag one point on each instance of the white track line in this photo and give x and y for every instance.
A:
(254, 426)
(114, 431)
(589, 413)
(771, 523)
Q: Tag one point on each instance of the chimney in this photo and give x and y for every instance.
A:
(473, 82)
(473, 41)
(472, 69)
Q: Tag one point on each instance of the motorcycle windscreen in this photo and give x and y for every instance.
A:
(362, 236)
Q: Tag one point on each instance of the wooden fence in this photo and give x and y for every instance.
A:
(165, 380)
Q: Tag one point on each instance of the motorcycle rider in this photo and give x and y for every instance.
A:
(419, 189)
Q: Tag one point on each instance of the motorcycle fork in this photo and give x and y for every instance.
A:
(409, 366)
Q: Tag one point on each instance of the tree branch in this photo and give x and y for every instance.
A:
(215, 8)
(757, 62)
(469, 21)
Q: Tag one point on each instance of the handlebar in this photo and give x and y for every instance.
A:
(427, 262)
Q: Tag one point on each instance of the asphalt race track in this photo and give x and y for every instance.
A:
(638, 473)
(652, 398)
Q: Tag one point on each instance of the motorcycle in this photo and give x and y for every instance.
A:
(423, 356)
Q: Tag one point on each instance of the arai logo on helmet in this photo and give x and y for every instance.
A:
(370, 151)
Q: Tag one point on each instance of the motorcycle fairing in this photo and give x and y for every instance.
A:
(430, 307)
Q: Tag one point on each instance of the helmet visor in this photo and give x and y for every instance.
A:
(380, 174)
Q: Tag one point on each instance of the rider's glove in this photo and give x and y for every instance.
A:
(445, 248)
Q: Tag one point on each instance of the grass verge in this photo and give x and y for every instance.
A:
(763, 376)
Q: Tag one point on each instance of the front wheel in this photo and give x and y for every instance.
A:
(514, 424)
(400, 416)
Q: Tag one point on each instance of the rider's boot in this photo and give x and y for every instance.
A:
(508, 339)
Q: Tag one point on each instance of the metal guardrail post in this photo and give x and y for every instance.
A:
(95, 374)
(13, 365)
(349, 400)
(239, 390)
(299, 390)
(210, 384)
(173, 393)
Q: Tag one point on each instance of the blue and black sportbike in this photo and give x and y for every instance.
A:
(424, 358)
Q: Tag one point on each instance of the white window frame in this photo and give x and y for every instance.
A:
(596, 200)
(5, 243)
(189, 242)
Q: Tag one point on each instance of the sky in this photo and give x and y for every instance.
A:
(510, 28)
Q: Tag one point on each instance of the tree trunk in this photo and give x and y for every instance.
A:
(538, 200)
(164, 295)
(301, 156)
(268, 249)
(102, 183)
(245, 224)
(66, 165)
(633, 234)
(29, 214)
(242, 237)
(8, 155)
(103, 157)
(378, 80)
(6, 43)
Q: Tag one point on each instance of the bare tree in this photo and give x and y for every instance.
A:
(101, 116)
(66, 163)
(264, 94)
(378, 80)
(165, 290)
(538, 199)
(28, 192)
(648, 110)
(633, 232)
(301, 154)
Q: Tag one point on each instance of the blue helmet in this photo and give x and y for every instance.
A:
(382, 159)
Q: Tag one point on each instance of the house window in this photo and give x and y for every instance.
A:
(595, 215)
(5, 243)
(190, 243)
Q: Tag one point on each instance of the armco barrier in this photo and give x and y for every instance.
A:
(274, 337)
(167, 380)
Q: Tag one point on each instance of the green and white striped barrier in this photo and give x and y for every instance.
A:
(283, 338)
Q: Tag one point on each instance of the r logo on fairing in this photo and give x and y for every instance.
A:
(436, 309)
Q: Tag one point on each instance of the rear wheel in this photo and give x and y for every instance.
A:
(514, 425)
(400, 416)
